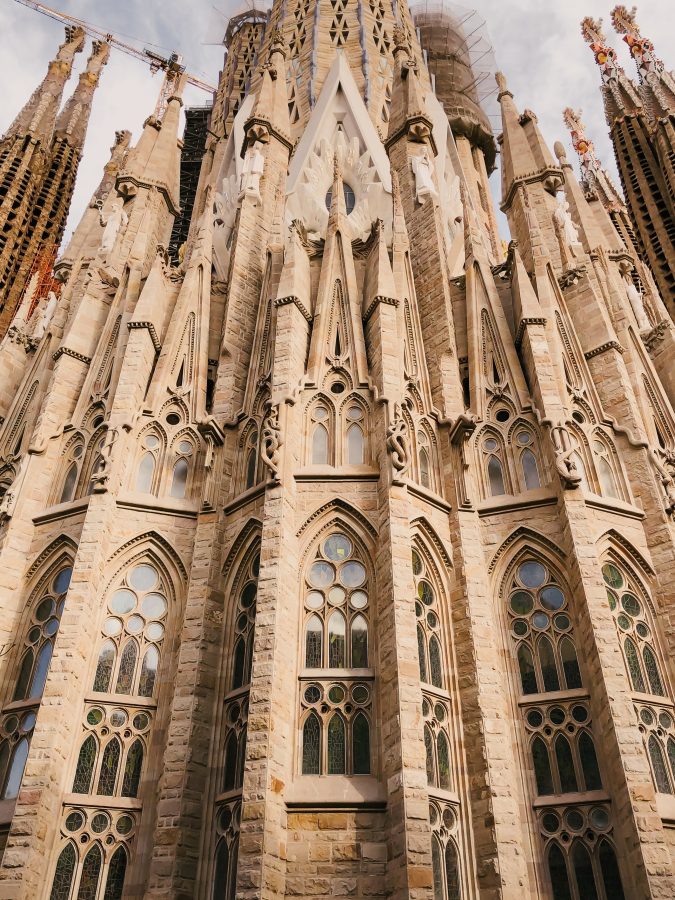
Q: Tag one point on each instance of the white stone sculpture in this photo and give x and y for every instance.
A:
(424, 181)
(565, 227)
(254, 165)
(113, 223)
(46, 316)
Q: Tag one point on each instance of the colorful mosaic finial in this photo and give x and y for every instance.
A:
(605, 56)
(642, 49)
(582, 144)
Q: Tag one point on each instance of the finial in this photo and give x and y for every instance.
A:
(400, 40)
(605, 56)
(624, 21)
(591, 30)
(500, 78)
(560, 153)
(642, 49)
(278, 43)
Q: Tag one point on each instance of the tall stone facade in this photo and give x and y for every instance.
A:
(339, 559)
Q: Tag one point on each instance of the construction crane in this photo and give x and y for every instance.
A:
(171, 65)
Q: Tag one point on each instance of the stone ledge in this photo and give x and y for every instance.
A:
(540, 497)
(340, 792)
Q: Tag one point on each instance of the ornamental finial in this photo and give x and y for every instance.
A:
(605, 56)
(641, 48)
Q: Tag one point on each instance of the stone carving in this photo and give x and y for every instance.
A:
(46, 316)
(424, 181)
(564, 459)
(398, 441)
(101, 474)
(8, 501)
(112, 224)
(634, 296)
(270, 440)
(566, 232)
(254, 165)
(667, 481)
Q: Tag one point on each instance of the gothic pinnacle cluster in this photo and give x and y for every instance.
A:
(39, 158)
(337, 556)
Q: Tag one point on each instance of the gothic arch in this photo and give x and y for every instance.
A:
(522, 537)
(251, 527)
(612, 542)
(431, 536)
(63, 543)
(152, 545)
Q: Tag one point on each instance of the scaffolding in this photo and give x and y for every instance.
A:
(194, 143)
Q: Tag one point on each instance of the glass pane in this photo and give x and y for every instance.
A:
(41, 670)
(355, 446)
(606, 476)
(108, 776)
(633, 663)
(452, 872)
(104, 668)
(311, 745)
(230, 769)
(336, 746)
(557, 869)
(359, 643)
(583, 872)
(24, 676)
(435, 662)
(143, 577)
(495, 477)
(68, 491)
(251, 465)
(241, 760)
(85, 766)
(563, 755)
(320, 446)
(220, 877)
(527, 674)
(661, 779)
(429, 750)
(589, 762)
(337, 547)
(125, 676)
(114, 887)
(179, 481)
(570, 663)
(425, 478)
(63, 877)
(238, 664)
(422, 653)
(313, 643)
(542, 767)
(610, 872)
(145, 472)
(336, 641)
(547, 663)
(671, 755)
(443, 756)
(146, 683)
(530, 470)
(4, 759)
(532, 574)
(15, 772)
(249, 657)
(437, 867)
(91, 871)
(132, 770)
(653, 676)
(361, 745)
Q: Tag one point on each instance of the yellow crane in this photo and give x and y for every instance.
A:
(171, 65)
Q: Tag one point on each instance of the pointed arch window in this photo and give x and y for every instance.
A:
(73, 463)
(605, 469)
(63, 876)
(429, 645)
(528, 461)
(494, 466)
(251, 455)
(146, 471)
(445, 864)
(424, 456)
(311, 745)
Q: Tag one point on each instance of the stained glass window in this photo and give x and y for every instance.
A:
(583, 872)
(91, 872)
(452, 872)
(238, 664)
(443, 755)
(557, 869)
(355, 446)
(361, 745)
(15, 771)
(548, 667)
(320, 446)
(311, 745)
(222, 868)
(653, 676)
(108, 775)
(528, 677)
(114, 887)
(495, 477)
(230, 773)
(132, 770)
(435, 663)
(146, 683)
(69, 484)
(336, 746)
(24, 676)
(125, 676)
(568, 654)
(41, 670)
(563, 755)
(661, 779)
(422, 653)
(425, 478)
(63, 877)
(313, 643)
(85, 766)
(437, 868)
(359, 643)
(634, 670)
(530, 470)
(429, 751)
(179, 480)
(589, 762)
(671, 755)
(610, 871)
(542, 767)
(606, 476)
(104, 667)
(336, 641)
(146, 470)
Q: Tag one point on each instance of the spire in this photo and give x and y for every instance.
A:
(38, 115)
(582, 221)
(619, 92)
(594, 177)
(658, 86)
(271, 103)
(408, 108)
(73, 119)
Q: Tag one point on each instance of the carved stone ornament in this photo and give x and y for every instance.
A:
(113, 223)
(634, 296)
(666, 480)
(424, 180)
(566, 232)
(564, 460)
(101, 474)
(270, 440)
(8, 501)
(398, 441)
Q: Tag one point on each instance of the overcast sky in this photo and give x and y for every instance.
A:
(538, 45)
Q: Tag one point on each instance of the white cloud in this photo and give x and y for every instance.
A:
(538, 45)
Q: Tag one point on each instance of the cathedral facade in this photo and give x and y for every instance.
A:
(337, 554)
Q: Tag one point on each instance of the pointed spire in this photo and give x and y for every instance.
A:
(271, 103)
(584, 220)
(408, 107)
(38, 115)
(338, 207)
(73, 120)
(379, 281)
(657, 84)
(526, 304)
(619, 92)
(594, 178)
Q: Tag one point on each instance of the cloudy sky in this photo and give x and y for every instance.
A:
(537, 43)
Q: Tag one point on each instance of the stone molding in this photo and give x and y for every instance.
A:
(380, 298)
(284, 301)
(66, 351)
(151, 331)
(603, 348)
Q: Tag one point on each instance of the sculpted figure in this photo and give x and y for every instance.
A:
(254, 164)
(113, 223)
(46, 316)
(424, 182)
(397, 441)
(635, 298)
(270, 440)
(566, 230)
(564, 459)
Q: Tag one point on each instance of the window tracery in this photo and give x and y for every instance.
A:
(227, 851)
(110, 761)
(447, 879)
(167, 454)
(336, 708)
(657, 726)
(510, 462)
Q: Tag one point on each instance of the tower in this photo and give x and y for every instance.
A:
(337, 558)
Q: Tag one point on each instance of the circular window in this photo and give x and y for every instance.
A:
(524, 438)
(173, 418)
(336, 596)
(551, 822)
(336, 693)
(248, 595)
(62, 581)
(34, 634)
(74, 821)
(642, 630)
(185, 447)
(97, 422)
(10, 724)
(490, 444)
(320, 413)
(124, 824)
(141, 721)
(432, 620)
(624, 622)
(647, 716)
(433, 815)
(153, 606)
(45, 609)
(612, 575)
(439, 712)
(502, 415)
(152, 442)
(534, 718)
(425, 592)
(359, 600)
(337, 387)
(599, 818)
(95, 716)
(556, 715)
(112, 627)
(665, 720)
(576, 415)
(348, 193)
(520, 627)
(100, 822)
(562, 622)
(255, 567)
(574, 820)
(143, 577)
(321, 574)
(122, 602)
(118, 718)
(28, 722)
(540, 620)
(51, 627)
(579, 713)
(532, 574)
(448, 818)
(552, 598)
(521, 603)
(337, 547)
(154, 631)
(631, 604)
(312, 694)
(355, 413)
(360, 693)
(314, 600)
(135, 624)
(352, 574)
